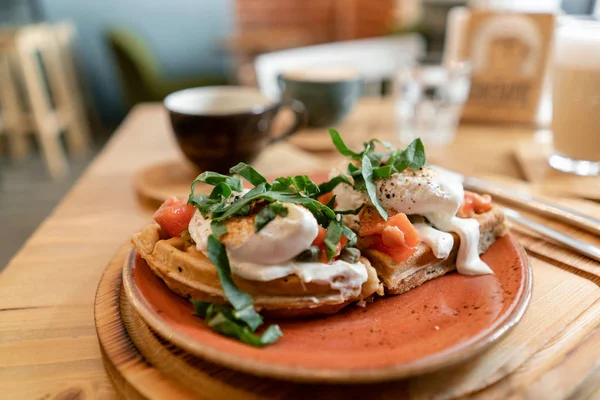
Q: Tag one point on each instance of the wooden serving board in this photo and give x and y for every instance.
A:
(551, 353)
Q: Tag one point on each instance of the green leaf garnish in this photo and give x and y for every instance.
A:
(239, 300)
(268, 214)
(331, 184)
(350, 235)
(350, 212)
(331, 202)
(332, 238)
(339, 144)
(367, 173)
(371, 169)
(248, 173)
(224, 320)
(304, 184)
(412, 157)
(383, 172)
(218, 228)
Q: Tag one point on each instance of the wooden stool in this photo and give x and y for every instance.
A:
(39, 60)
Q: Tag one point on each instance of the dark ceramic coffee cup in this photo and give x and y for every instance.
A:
(327, 95)
(219, 126)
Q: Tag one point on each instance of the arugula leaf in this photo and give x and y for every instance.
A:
(412, 157)
(248, 173)
(367, 173)
(339, 144)
(332, 238)
(268, 214)
(218, 228)
(331, 202)
(222, 319)
(331, 184)
(238, 299)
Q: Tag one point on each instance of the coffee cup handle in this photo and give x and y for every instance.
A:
(300, 119)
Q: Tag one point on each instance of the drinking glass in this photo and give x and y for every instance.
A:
(429, 102)
(576, 98)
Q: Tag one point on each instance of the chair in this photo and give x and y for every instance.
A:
(141, 74)
(38, 94)
(376, 59)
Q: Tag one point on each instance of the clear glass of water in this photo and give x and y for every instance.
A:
(429, 102)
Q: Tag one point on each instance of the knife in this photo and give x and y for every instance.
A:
(534, 204)
(578, 246)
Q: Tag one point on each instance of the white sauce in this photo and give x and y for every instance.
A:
(440, 242)
(436, 196)
(339, 275)
(269, 254)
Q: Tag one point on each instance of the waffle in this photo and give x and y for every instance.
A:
(189, 273)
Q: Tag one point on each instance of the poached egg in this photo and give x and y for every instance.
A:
(270, 253)
(437, 196)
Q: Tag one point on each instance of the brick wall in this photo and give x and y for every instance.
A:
(318, 20)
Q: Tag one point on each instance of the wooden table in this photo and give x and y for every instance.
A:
(48, 343)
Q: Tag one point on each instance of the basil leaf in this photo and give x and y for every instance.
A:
(218, 228)
(332, 238)
(279, 209)
(268, 214)
(328, 186)
(305, 184)
(353, 169)
(214, 178)
(375, 158)
(371, 143)
(220, 191)
(200, 307)
(350, 235)
(238, 299)
(350, 212)
(256, 190)
(271, 196)
(224, 324)
(412, 157)
(341, 146)
(282, 184)
(223, 319)
(248, 173)
(383, 172)
(331, 202)
(367, 173)
(249, 316)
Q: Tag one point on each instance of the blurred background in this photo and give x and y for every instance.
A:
(70, 70)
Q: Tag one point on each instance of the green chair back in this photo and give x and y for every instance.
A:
(137, 65)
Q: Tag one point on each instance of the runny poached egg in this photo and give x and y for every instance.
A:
(437, 196)
(270, 253)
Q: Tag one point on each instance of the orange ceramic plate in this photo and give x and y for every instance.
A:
(440, 323)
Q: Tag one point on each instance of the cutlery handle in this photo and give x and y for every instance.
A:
(580, 247)
(563, 214)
